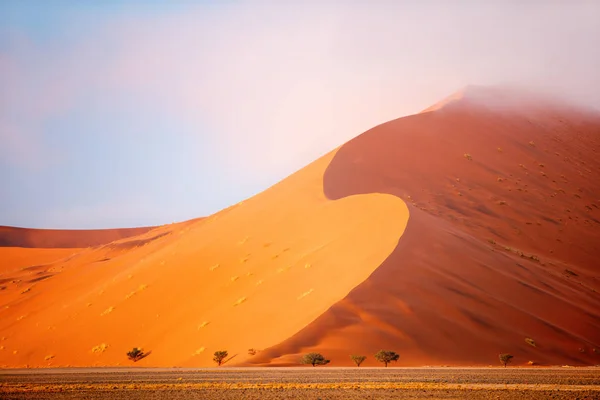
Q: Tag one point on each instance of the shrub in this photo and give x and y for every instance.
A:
(314, 359)
(252, 352)
(505, 358)
(358, 359)
(220, 356)
(468, 157)
(386, 356)
(136, 354)
(530, 341)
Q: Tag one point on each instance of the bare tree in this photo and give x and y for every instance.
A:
(358, 359)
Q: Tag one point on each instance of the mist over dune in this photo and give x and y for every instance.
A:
(231, 97)
(450, 236)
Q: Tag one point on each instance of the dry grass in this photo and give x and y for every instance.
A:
(203, 324)
(308, 383)
(530, 342)
(303, 295)
(101, 348)
(239, 301)
(107, 311)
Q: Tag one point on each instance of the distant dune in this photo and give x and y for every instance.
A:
(449, 236)
(55, 238)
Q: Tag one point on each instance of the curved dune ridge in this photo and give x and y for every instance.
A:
(499, 255)
(248, 277)
(501, 251)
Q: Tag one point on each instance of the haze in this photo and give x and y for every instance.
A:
(138, 113)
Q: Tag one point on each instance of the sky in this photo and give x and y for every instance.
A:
(136, 113)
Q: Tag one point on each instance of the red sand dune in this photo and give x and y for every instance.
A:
(501, 245)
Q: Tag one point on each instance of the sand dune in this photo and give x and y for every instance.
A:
(247, 277)
(55, 238)
(501, 246)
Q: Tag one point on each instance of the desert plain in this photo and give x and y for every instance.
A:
(303, 383)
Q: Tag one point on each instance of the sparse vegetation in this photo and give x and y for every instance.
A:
(530, 342)
(107, 311)
(386, 356)
(136, 354)
(505, 358)
(239, 301)
(358, 359)
(303, 295)
(220, 356)
(203, 324)
(101, 348)
(314, 359)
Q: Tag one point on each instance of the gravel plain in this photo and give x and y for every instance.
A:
(301, 383)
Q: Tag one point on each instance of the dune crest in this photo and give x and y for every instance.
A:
(501, 245)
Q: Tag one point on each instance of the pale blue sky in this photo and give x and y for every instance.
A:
(131, 113)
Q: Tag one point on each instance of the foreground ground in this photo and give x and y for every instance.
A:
(302, 383)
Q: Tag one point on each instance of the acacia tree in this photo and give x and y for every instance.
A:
(220, 356)
(505, 358)
(314, 359)
(136, 354)
(358, 359)
(386, 356)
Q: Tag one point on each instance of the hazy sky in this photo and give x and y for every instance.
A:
(130, 113)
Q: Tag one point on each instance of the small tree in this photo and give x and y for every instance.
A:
(220, 356)
(136, 354)
(314, 359)
(358, 359)
(505, 358)
(386, 356)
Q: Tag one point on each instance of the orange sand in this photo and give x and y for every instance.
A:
(248, 277)
(502, 245)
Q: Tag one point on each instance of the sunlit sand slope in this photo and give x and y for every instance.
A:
(247, 277)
